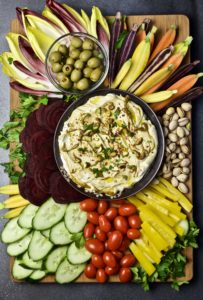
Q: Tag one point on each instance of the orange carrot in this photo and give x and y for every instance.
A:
(152, 36)
(141, 34)
(166, 40)
(182, 86)
(175, 60)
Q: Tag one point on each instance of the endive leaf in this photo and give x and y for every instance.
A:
(93, 23)
(87, 21)
(13, 42)
(76, 15)
(49, 15)
(102, 21)
(39, 41)
(20, 88)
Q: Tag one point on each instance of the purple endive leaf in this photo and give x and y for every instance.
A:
(65, 16)
(20, 88)
(31, 57)
(23, 69)
(103, 37)
(19, 15)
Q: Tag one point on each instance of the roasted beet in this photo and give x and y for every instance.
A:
(32, 125)
(41, 178)
(37, 139)
(25, 140)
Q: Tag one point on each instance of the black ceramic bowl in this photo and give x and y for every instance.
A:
(153, 169)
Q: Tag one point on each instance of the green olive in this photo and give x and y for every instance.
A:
(65, 83)
(63, 49)
(88, 44)
(75, 85)
(76, 42)
(79, 64)
(70, 61)
(75, 53)
(67, 69)
(55, 56)
(60, 76)
(94, 62)
(83, 84)
(96, 74)
(76, 75)
(71, 48)
(57, 67)
(85, 55)
(87, 71)
(96, 53)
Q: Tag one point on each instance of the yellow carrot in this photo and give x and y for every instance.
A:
(14, 201)
(10, 189)
(122, 73)
(158, 96)
(13, 213)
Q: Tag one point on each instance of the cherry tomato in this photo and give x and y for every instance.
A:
(94, 246)
(133, 233)
(118, 254)
(125, 275)
(90, 271)
(121, 224)
(88, 205)
(106, 245)
(124, 245)
(109, 233)
(111, 213)
(127, 261)
(109, 259)
(100, 235)
(104, 223)
(134, 221)
(111, 271)
(102, 207)
(115, 240)
(101, 276)
(127, 209)
(93, 217)
(118, 202)
(97, 261)
(88, 230)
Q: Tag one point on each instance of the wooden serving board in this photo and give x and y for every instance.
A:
(162, 22)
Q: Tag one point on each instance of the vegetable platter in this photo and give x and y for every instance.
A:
(149, 206)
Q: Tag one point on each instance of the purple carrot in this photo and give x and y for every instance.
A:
(188, 96)
(179, 73)
(127, 47)
(30, 56)
(23, 69)
(147, 24)
(103, 38)
(65, 16)
(116, 29)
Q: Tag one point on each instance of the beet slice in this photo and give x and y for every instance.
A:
(37, 139)
(31, 165)
(31, 192)
(24, 138)
(31, 124)
(40, 115)
(62, 191)
(41, 178)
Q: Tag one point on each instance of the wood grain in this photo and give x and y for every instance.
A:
(162, 22)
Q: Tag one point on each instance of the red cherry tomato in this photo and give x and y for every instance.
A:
(104, 223)
(100, 235)
(88, 230)
(109, 259)
(111, 213)
(127, 261)
(115, 240)
(93, 217)
(133, 233)
(112, 271)
(102, 207)
(121, 224)
(88, 205)
(94, 246)
(134, 221)
(97, 261)
(125, 275)
(101, 276)
(106, 245)
(124, 245)
(118, 254)
(90, 271)
(127, 209)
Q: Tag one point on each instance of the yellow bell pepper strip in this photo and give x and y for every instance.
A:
(135, 201)
(13, 213)
(165, 218)
(154, 236)
(14, 201)
(163, 191)
(148, 251)
(10, 189)
(144, 262)
(179, 230)
(158, 254)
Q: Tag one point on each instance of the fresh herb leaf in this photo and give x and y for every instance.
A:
(176, 284)
(117, 112)
(121, 39)
(79, 240)
(43, 100)
(72, 97)
(10, 60)
(83, 150)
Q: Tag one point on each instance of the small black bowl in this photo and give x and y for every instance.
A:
(153, 169)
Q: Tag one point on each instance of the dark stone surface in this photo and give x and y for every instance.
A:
(8, 290)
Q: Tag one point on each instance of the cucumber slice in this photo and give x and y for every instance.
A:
(37, 275)
(67, 272)
(20, 246)
(75, 219)
(20, 272)
(60, 235)
(46, 233)
(39, 246)
(12, 232)
(49, 214)
(185, 225)
(27, 215)
(28, 262)
(55, 258)
(78, 255)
